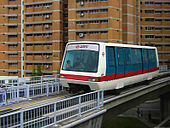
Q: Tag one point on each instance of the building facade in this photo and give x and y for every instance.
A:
(95, 20)
(34, 32)
(31, 33)
(155, 27)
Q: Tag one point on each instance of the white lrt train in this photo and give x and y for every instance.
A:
(95, 65)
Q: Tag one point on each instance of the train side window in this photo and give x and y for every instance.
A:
(152, 56)
(136, 56)
(145, 56)
(111, 56)
(128, 56)
(120, 56)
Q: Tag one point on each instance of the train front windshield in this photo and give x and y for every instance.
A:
(81, 58)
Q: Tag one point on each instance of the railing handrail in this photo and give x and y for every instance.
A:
(96, 103)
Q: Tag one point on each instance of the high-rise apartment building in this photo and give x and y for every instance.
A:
(95, 20)
(155, 27)
(34, 32)
(131, 21)
(31, 33)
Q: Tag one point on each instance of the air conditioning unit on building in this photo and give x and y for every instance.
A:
(47, 16)
(47, 7)
(48, 36)
(81, 14)
(47, 26)
(81, 3)
(47, 66)
(81, 35)
(81, 25)
(47, 57)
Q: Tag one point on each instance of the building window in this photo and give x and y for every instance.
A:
(167, 28)
(37, 5)
(12, 36)
(28, 35)
(167, 3)
(93, 0)
(149, 11)
(13, 17)
(28, 25)
(12, 73)
(167, 12)
(37, 15)
(104, 21)
(149, 20)
(158, 12)
(37, 54)
(168, 20)
(47, 4)
(12, 27)
(158, 3)
(14, 54)
(149, 28)
(28, 16)
(93, 11)
(28, 6)
(103, 10)
(158, 28)
(29, 54)
(94, 22)
(104, 32)
(149, 3)
(158, 20)
(94, 33)
(12, 45)
(38, 34)
(156, 37)
(12, 63)
(149, 36)
(12, 8)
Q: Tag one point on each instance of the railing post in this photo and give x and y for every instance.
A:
(21, 119)
(41, 83)
(79, 106)
(47, 89)
(18, 90)
(28, 92)
(55, 113)
(102, 98)
(98, 99)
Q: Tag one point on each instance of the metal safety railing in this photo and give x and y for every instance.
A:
(53, 113)
(163, 68)
(30, 87)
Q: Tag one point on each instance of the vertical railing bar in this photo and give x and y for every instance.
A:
(79, 106)
(21, 119)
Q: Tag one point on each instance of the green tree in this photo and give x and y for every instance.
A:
(39, 72)
(33, 72)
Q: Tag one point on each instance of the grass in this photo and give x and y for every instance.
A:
(124, 122)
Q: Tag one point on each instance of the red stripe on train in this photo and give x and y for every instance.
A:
(109, 77)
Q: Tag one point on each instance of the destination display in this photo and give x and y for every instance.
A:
(93, 47)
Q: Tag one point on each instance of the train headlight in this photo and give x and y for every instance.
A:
(94, 79)
(62, 76)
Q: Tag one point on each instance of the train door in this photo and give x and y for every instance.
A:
(110, 62)
(136, 60)
(128, 65)
(152, 59)
(145, 60)
(120, 68)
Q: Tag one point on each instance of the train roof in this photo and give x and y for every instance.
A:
(114, 44)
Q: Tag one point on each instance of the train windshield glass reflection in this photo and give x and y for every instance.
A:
(81, 58)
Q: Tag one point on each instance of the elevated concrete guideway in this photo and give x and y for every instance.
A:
(87, 110)
(115, 105)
